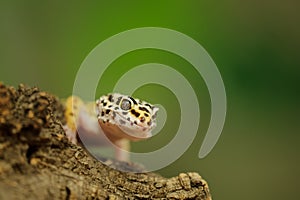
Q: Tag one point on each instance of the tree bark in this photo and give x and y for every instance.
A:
(38, 162)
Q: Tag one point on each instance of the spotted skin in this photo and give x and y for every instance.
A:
(121, 118)
(128, 117)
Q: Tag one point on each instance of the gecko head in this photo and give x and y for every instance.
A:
(125, 116)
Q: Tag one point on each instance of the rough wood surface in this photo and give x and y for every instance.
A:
(38, 162)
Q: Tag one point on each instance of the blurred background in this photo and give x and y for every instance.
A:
(255, 45)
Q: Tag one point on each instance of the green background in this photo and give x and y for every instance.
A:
(255, 45)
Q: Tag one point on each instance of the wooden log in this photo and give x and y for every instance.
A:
(38, 162)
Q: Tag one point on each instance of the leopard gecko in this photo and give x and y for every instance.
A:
(114, 119)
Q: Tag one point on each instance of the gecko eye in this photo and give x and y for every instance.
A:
(125, 104)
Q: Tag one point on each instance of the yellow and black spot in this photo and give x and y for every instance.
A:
(135, 113)
(144, 109)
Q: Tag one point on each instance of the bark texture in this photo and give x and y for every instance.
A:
(38, 162)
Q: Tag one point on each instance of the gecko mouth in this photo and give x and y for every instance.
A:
(124, 121)
(133, 129)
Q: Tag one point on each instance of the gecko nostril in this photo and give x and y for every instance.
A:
(142, 119)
